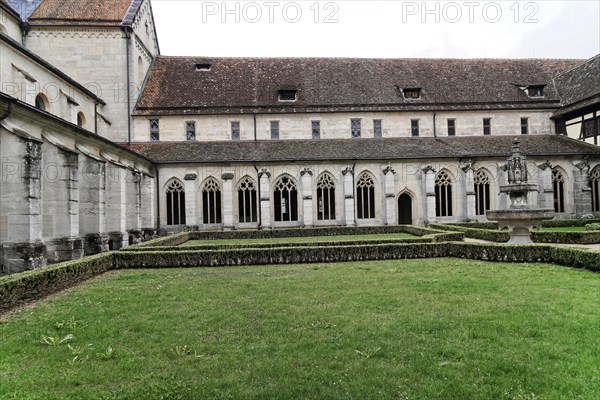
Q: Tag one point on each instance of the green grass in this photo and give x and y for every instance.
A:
(565, 229)
(309, 239)
(417, 329)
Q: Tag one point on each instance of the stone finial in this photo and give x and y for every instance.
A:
(517, 165)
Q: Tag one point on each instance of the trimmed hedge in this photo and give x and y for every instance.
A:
(170, 240)
(563, 223)
(31, 285)
(592, 227)
(294, 255)
(473, 233)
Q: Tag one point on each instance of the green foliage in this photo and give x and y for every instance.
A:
(558, 223)
(592, 227)
(18, 288)
(170, 240)
(490, 235)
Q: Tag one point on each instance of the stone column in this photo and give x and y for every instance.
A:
(307, 198)
(469, 188)
(349, 206)
(582, 191)
(92, 218)
(21, 247)
(191, 200)
(227, 178)
(115, 206)
(264, 177)
(60, 203)
(148, 206)
(545, 198)
(390, 195)
(430, 192)
(134, 206)
(503, 200)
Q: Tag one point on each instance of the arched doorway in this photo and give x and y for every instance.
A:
(405, 209)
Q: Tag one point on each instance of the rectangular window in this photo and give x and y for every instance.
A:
(274, 129)
(154, 130)
(316, 129)
(414, 127)
(190, 129)
(487, 126)
(235, 130)
(451, 127)
(524, 126)
(377, 131)
(355, 128)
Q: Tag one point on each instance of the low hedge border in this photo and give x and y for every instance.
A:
(170, 240)
(563, 223)
(588, 237)
(569, 257)
(31, 285)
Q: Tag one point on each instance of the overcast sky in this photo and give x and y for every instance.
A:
(395, 28)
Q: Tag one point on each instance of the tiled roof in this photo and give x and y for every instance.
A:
(80, 12)
(234, 85)
(580, 86)
(359, 149)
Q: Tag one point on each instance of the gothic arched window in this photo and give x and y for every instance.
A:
(211, 202)
(325, 198)
(247, 199)
(482, 192)
(286, 200)
(443, 194)
(595, 183)
(365, 196)
(558, 186)
(175, 203)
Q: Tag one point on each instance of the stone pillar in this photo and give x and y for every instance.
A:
(115, 206)
(307, 198)
(92, 218)
(21, 247)
(148, 206)
(264, 177)
(582, 191)
(227, 178)
(545, 198)
(503, 200)
(134, 206)
(390, 195)
(60, 203)
(469, 188)
(349, 205)
(191, 200)
(430, 192)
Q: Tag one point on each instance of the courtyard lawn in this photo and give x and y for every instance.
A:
(412, 329)
(308, 239)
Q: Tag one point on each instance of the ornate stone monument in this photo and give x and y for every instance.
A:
(519, 218)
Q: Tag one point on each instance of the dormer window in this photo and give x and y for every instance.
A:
(288, 94)
(203, 67)
(535, 91)
(411, 93)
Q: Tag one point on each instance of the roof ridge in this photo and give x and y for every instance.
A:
(372, 58)
(577, 66)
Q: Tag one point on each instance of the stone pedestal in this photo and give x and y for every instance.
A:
(95, 243)
(520, 222)
(117, 240)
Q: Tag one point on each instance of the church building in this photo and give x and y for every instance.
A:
(104, 142)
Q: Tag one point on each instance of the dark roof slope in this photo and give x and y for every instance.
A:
(80, 12)
(580, 86)
(234, 85)
(359, 149)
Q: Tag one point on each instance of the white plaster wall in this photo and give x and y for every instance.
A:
(337, 125)
(11, 26)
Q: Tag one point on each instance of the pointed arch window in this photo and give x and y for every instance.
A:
(285, 198)
(443, 194)
(175, 203)
(558, 186)
(247, 201)
(595, 183)
(482, 192)
(365, 196)
(211, 202)
(326, 198)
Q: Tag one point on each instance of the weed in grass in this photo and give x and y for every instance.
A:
(56, 340)
(70, 324)
(368, 353)
(79, 352)
(109, 354)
